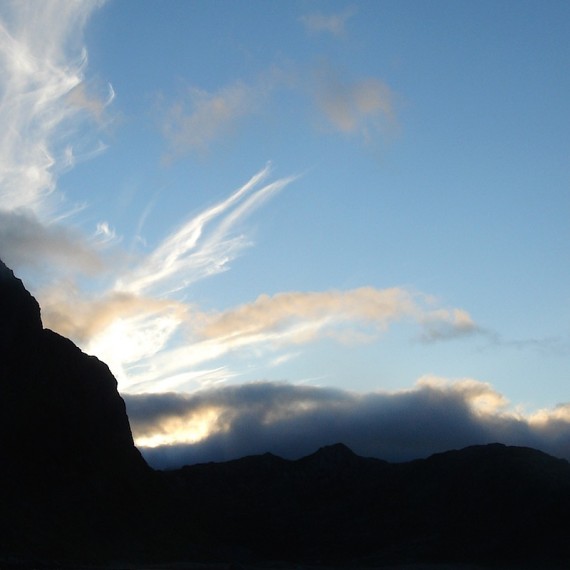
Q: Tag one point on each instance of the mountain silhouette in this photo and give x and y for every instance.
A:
(75, 490)
(486, 504)
(71, 478)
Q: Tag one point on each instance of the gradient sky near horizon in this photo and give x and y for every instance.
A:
(363, 197)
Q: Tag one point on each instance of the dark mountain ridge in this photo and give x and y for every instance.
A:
(74, 488)
(488, 503)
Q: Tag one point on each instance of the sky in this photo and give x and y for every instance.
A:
(286, 224)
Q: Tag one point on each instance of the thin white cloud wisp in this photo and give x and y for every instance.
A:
(200, 247)
(42, 63)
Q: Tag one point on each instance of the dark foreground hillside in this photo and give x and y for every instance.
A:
(481, 504)
(75, 492)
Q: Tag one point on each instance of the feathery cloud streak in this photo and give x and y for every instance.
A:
(292, 421)
(195, 250)
(42, 62)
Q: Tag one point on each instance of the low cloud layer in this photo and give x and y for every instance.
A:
(291, 421)
(140, 320)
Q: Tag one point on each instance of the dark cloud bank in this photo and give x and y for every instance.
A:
(293, 421)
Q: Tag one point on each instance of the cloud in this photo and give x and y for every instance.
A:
(67, 310)
(140, 324)
(549, 345)
(282, 312)
(199, 118)
(445, 324)
(334, 24)
(364, 107)
(154, 340)
(42, 61)
(43, 103)
(24, 240)
(298, 317)
(292, 421)
(94, 104)
(194, 122)
(270, 324)
(204, 245)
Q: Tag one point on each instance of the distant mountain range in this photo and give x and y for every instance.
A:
(74, 490)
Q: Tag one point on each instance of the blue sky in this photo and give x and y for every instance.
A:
(368, 197)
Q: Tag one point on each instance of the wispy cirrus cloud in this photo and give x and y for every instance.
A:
(291, 421)
(203, 245)
(42, 63)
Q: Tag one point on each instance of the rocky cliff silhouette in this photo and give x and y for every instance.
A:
(75, 490)
(71, 478)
